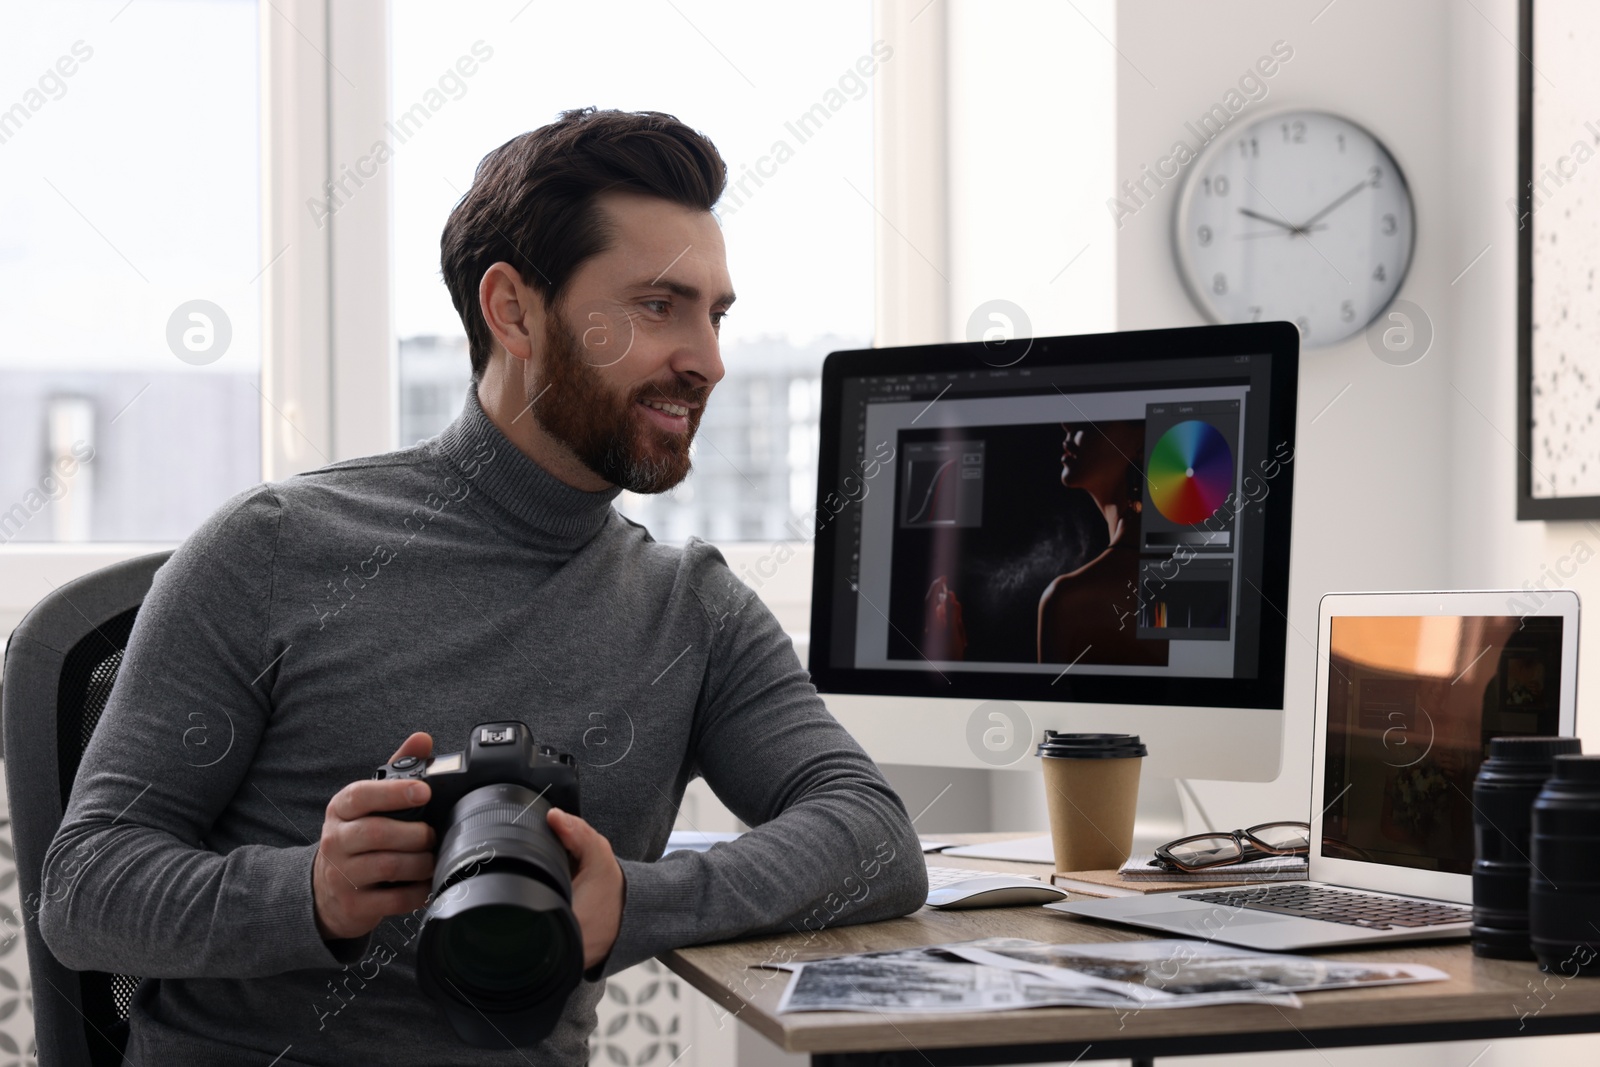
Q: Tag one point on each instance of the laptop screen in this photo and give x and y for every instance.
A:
(1412, 704)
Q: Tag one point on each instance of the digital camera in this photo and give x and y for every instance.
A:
(500, 950)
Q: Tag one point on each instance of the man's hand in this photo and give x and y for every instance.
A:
(361, 850)
(597, 884)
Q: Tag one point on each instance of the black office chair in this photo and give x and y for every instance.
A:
(59, 667)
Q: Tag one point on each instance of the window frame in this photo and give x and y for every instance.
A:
(323, 90)
(324, 100)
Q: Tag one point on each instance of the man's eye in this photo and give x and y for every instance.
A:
(717, 317)
(660, 307)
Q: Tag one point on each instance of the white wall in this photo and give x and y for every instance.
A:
(1489, 548)
(1032, 128)
(1409, 479)
(1370, 504)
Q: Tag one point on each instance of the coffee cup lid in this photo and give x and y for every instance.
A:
(1090, 746)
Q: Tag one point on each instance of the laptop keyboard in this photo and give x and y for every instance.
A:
(1368, 911)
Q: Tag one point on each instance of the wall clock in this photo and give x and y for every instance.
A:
(1299, 215)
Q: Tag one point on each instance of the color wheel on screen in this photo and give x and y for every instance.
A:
(1191, 472)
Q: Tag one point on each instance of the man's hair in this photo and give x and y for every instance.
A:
(532, 201)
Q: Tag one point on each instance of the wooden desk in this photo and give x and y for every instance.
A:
(1484, 999)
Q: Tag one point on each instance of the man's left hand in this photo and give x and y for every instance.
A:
(597, 884)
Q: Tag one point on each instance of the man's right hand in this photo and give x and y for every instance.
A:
(361, 850)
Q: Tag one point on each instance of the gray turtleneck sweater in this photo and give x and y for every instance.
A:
(310, 625)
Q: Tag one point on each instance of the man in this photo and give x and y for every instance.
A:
(311, 624)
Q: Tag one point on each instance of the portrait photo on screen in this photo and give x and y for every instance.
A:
(1020, 544)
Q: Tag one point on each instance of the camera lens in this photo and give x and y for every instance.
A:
(1566, 868)
(502, 956)
(1502, 805)
(499, 943)
(500, 947)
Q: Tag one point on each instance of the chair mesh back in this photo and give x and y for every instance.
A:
(122, 987)
(87, 675)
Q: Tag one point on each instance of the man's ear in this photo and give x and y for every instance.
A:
(513, 311)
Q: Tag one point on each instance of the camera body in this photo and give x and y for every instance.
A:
(496, 753)
(500, 950)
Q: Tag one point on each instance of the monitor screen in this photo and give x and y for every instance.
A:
(1412, 704)
(1105, 518)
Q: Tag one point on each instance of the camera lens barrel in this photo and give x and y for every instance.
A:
(1564, 891)
(1502, 800)
(501, 826)
(500, 948)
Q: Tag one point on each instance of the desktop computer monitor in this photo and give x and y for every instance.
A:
(1093, 528)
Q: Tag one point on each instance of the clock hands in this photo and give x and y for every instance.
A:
(1301, 231)
(1267, 218)
(1306, 227)
(1275, 233)
(1352, 192)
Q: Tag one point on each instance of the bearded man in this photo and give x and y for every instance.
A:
(265, 892)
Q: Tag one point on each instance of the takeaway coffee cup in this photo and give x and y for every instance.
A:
(1091, 782)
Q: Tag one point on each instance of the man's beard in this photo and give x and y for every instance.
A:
(604, 430)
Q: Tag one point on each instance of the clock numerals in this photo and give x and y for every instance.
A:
(1267, 210)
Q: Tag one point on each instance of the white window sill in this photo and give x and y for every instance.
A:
(28, 572)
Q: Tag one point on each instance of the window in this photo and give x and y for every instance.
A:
(129, 260)
(785, 93)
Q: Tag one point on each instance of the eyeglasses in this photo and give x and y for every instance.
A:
(1200, 852)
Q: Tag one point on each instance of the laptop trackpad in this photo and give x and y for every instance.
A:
(1207, 921)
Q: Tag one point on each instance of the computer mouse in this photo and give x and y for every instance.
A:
(994, 892)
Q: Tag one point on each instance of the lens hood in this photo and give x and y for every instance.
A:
(500, 949)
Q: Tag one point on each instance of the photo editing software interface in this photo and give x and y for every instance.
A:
(1412, 704)
(1104, 517)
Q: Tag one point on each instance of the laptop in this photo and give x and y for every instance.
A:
(1410, 688)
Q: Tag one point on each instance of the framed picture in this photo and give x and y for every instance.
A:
(1558, 261)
